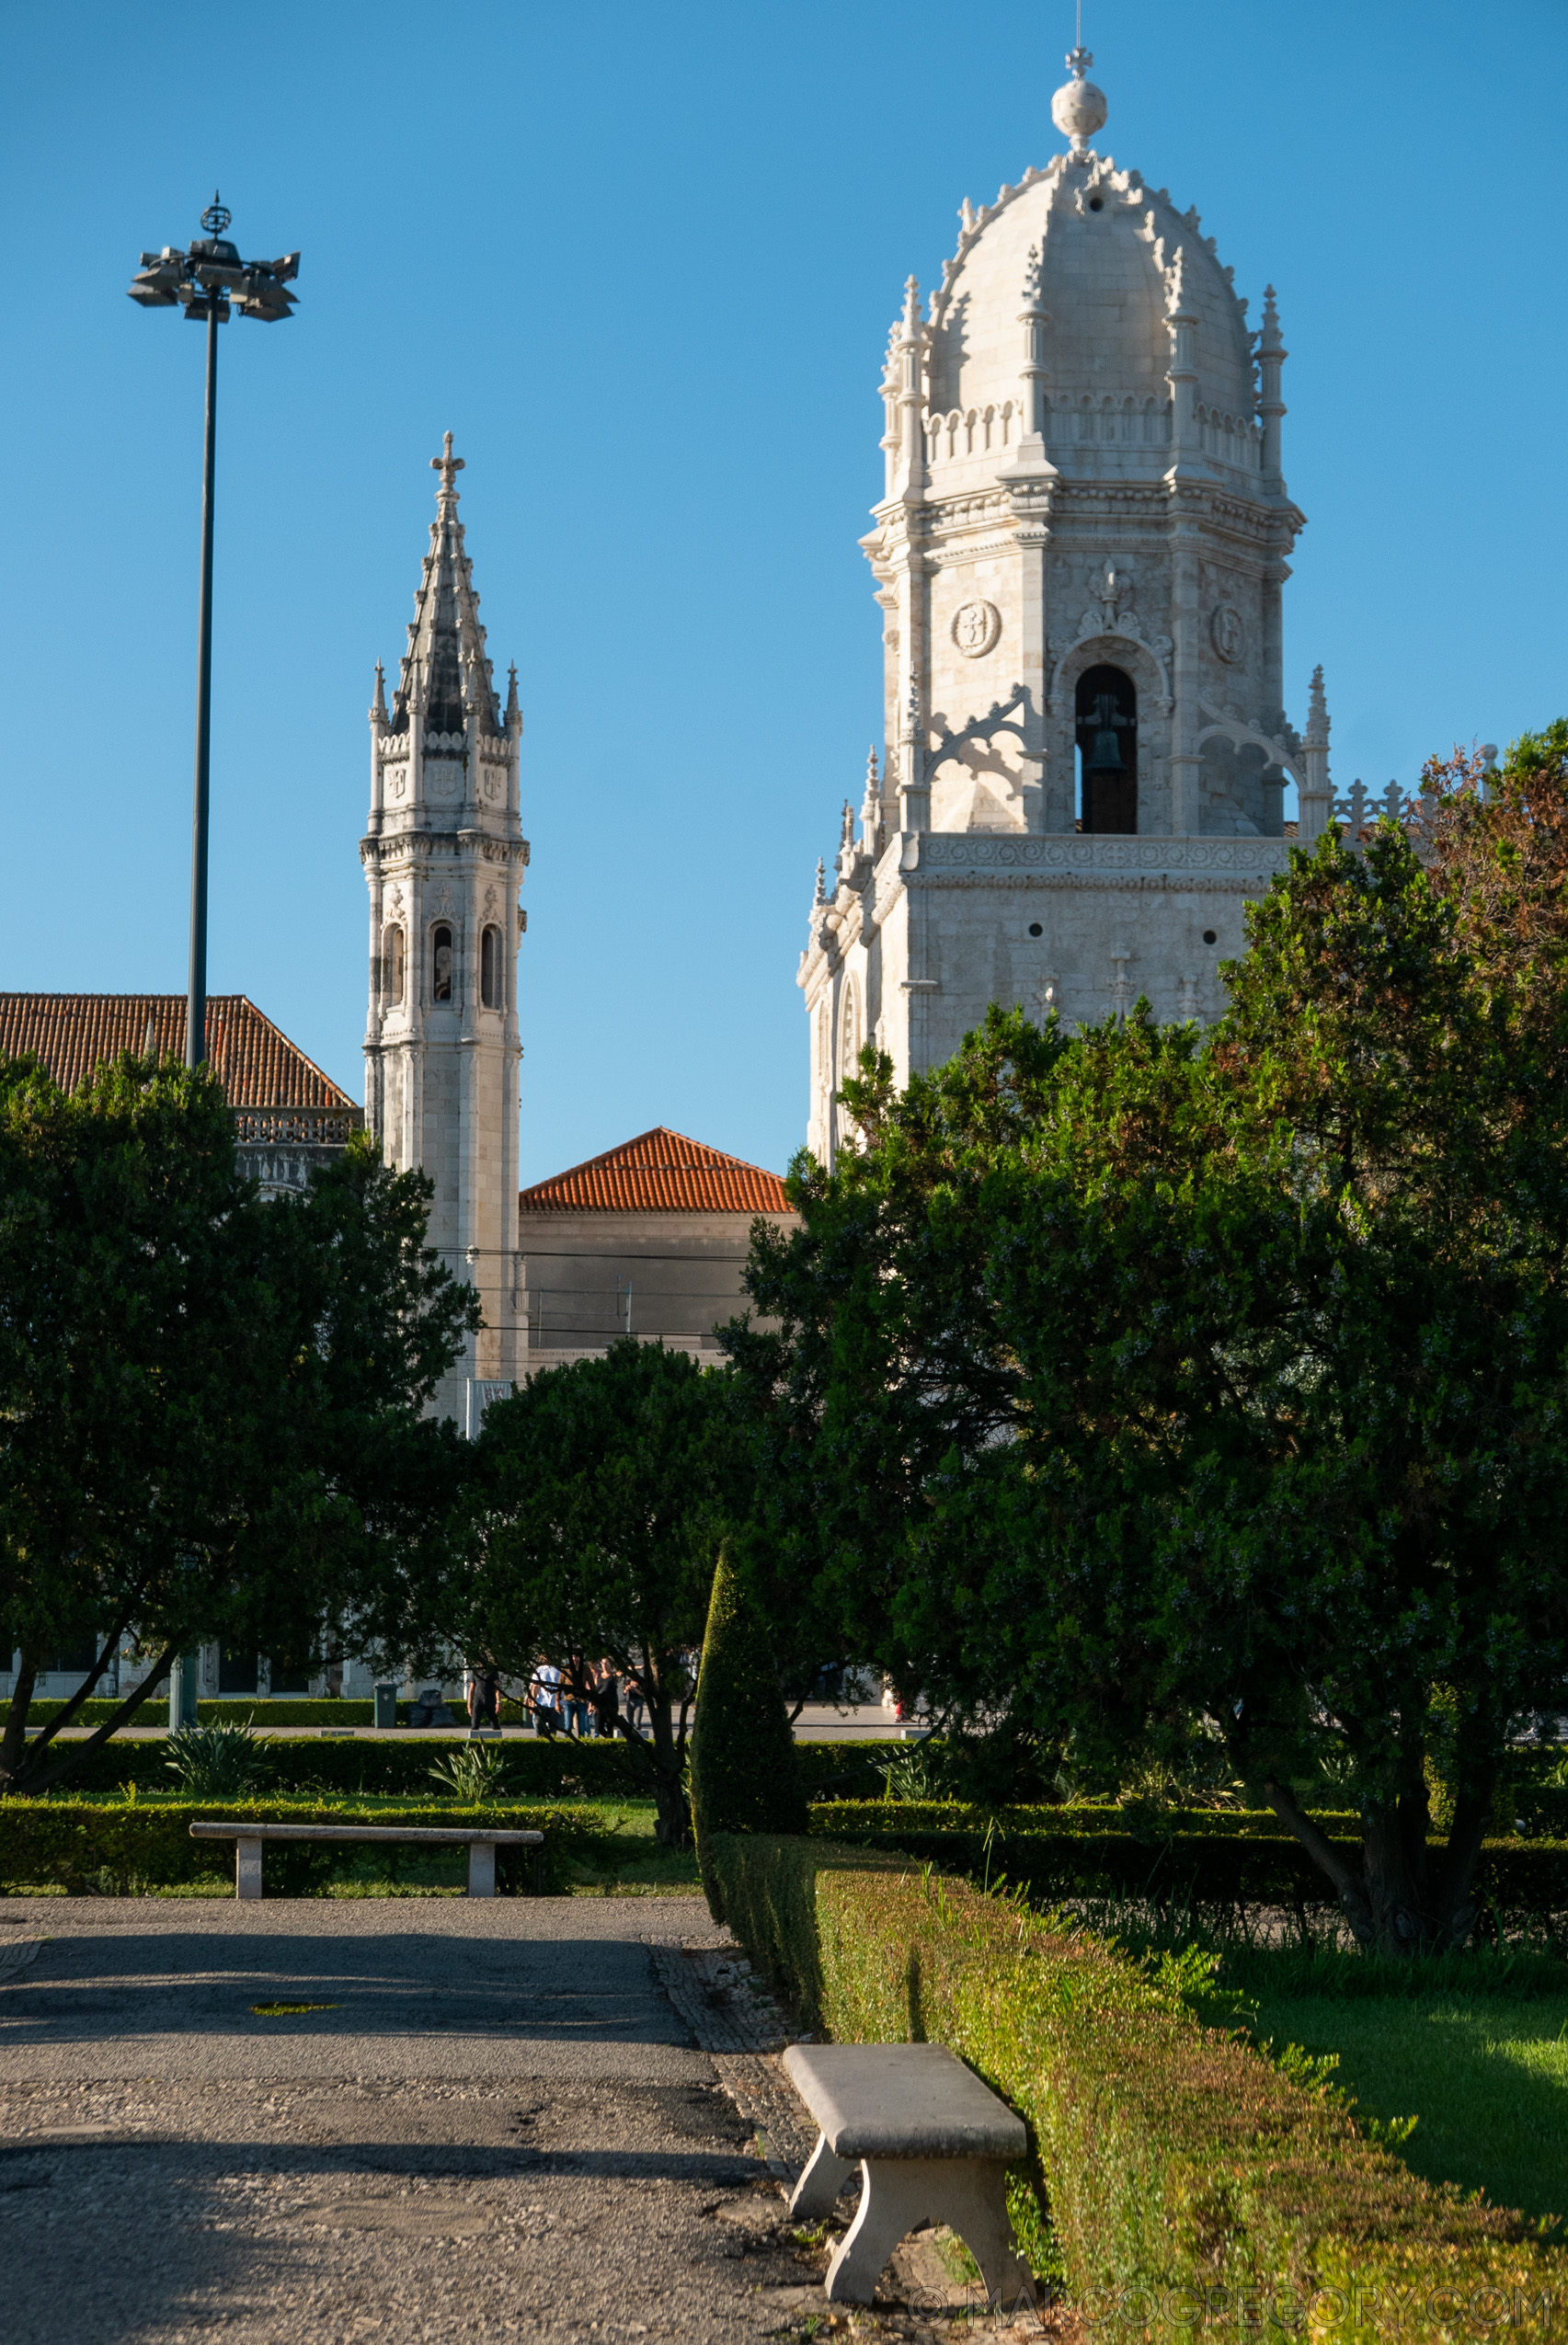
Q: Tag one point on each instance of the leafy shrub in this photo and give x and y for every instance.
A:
(1179, 2168)
(471, 1772)
(215, 1762)
(743, 1773)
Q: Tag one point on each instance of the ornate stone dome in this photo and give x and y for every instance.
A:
(1112, 263)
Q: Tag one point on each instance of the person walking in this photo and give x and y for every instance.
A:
(546, 1692)
(573, 1702)
(483, 1687)
(606, 1698)
(633, 1704)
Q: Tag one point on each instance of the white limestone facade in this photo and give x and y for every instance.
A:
(1080, 554)
(444, 857)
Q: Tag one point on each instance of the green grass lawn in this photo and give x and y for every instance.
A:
(1485, 2071)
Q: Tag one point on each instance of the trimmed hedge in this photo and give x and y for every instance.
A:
(375, 1764)
(1207, 1859)
(79, 1845)
(380, 1768)
(1187, 2180)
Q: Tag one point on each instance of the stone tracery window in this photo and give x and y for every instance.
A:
(440, 964)
(392, 960)
(491, 984)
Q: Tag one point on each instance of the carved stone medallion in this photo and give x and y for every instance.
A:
(975, 627)
(1226, 632)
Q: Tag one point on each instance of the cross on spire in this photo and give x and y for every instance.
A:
(448, 465)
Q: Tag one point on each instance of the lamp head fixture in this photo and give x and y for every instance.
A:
(209, 277)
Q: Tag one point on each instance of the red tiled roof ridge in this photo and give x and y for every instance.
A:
(73, 1032)
(660, 1171)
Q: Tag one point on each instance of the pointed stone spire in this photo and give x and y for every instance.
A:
(514, 714)
(378, 706)
(446, 643)
(1272, 355)
(1315, 793)
(871, 804)
(820, 897)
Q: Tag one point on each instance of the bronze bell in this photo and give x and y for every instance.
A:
(1105, 757)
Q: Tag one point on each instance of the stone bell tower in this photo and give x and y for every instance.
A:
(444, 856)
(1080, 553)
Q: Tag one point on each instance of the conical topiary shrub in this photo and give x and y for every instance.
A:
(743, 1771)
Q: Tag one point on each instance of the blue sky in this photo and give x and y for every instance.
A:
(642, 262)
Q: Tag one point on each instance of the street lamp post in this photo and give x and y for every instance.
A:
(207, 280)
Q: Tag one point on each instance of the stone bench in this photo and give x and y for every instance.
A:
(932, 2143)
(482, 1845)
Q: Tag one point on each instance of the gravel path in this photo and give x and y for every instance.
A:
(497, 2125)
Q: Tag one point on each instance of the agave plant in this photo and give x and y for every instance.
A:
(471, 1773)
(215, 1762)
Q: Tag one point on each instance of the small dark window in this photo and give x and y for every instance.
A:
(290, 1673)
(1034, 929)
(392, 965)
(1096, 204)
(237, 1672)
(1210, 937)
(491, 968)
(441, 981)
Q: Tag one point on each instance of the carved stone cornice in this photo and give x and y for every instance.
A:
(955, 852)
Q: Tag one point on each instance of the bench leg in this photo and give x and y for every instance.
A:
(899, 2193)
(248, 1868)
(481, 1869)
(818, 2189)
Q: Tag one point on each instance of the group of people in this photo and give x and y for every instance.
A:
(583, 1700)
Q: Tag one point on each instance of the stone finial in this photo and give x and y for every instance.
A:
(1078, 110)
(512, 708)
(448, 466)
(820, 897)
(1269, 339)
(1317, 730)
(846, 826)
(378, 706)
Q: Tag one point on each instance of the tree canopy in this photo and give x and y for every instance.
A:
(601, 1493)
(211, 1407)
(1139, 1376)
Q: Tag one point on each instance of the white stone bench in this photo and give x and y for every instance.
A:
(482, 1845)
(932, 2143)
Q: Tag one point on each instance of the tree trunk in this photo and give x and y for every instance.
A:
(1403, 1899)
(15, 1740)
(30, 1777)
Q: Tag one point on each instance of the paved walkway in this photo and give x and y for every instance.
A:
(496, 2125)
(498, 2128)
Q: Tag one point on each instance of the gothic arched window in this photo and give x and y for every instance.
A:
(392, 966)
(440, 964)
(490, 982)
(1106, 729)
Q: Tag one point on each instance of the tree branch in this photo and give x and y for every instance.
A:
(64, 1716)
(73, 1757)
(1351, 1890)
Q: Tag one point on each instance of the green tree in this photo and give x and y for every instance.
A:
(744, 1777)
(1228, 1377)
(603, 1491)
(209, 1407)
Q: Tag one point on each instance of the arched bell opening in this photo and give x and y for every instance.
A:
(1106, 727)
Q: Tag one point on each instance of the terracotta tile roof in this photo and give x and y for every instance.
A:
(660, 1172)
(73, 1032)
